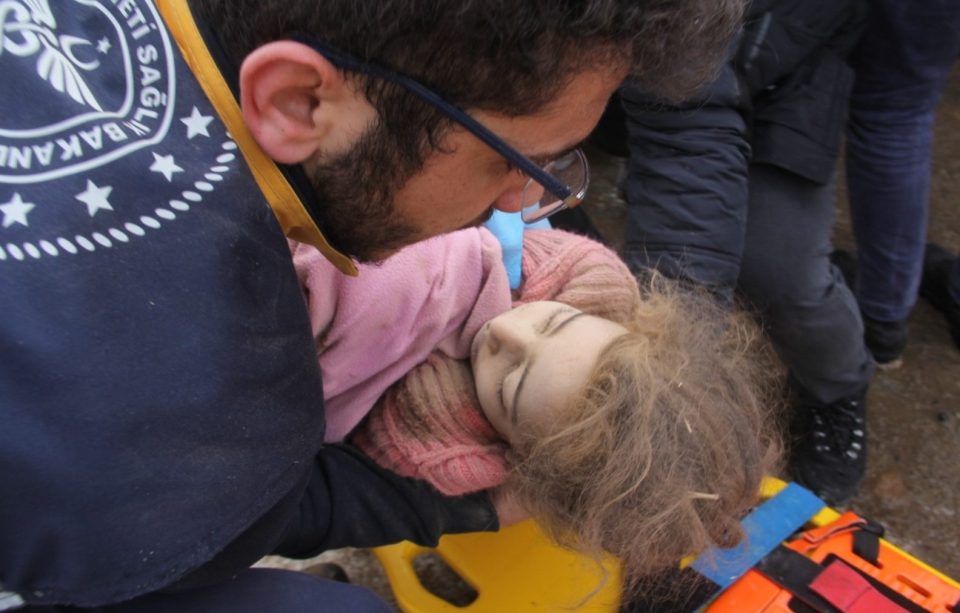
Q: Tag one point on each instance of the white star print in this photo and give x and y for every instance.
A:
(95, 198)
(197, 123)
(103, 46)
(15, 211)
(165, 165)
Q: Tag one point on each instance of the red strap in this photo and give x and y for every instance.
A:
(849, 592)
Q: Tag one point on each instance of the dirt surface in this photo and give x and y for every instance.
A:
(913, 482)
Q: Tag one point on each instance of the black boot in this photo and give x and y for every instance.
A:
(937, 266)
(886, 340)
(830, 453)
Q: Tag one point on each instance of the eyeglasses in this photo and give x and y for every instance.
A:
(561, 183)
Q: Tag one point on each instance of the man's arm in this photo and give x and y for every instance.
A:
(687, 184)
(345, 500)
(350, 501)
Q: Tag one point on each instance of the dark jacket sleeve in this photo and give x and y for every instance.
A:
(792, 61)
(346, 500)
(350, 501)
(687, 184)
(780, 101)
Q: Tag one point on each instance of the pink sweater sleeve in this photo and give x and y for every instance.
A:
(372, 329)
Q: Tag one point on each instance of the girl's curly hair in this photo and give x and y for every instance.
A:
(663, 452)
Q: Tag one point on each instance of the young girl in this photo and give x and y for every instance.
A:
(638, 426)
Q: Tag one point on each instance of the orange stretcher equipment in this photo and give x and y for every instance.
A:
(842, 566)
(799, 556)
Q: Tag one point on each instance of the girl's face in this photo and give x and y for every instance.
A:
(532, 359)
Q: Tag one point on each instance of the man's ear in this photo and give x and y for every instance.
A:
(293, 100)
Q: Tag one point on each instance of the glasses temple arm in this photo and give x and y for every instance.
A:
(348, 62)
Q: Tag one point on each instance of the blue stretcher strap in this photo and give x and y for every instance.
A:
(766, 526)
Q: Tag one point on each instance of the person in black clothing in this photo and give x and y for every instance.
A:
(159, 394)
(734, 190)
(903, 63)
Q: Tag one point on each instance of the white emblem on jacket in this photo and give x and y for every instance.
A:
(93, 96)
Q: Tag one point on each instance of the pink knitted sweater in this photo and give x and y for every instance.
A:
(429, 424)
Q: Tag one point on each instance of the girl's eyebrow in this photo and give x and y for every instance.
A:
(564, 322)
(553, 316)
(526, 368)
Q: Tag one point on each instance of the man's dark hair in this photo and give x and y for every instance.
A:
(505, 56)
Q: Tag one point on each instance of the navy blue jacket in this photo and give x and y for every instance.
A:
(160, 400)
(781, 101)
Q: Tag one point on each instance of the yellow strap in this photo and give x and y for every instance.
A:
(293, 217)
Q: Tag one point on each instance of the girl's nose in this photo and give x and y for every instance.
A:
(508, 335)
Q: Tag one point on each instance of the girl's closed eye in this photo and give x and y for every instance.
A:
(503, 388)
